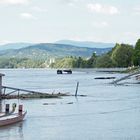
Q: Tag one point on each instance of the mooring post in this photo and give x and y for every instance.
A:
(1, 83)
(18, 93)
(7, 107)
(20, 109)
(76, 88)
(0, 105)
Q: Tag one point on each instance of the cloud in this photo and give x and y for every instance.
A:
(102, 9)
(71, 3)
(38, 9)
(2, 42)
(14, 2)
(27, 16)
(100, 24)
(137, 10)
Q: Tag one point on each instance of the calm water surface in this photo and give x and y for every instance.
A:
(108, 112)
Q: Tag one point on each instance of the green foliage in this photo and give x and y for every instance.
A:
(104, 62)
(66, 62)
(122, 55)
(20, 63)
(92, 61)
(136, 56)
(70, 62)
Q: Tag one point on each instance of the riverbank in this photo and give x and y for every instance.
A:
(131, 69)
(34, 96)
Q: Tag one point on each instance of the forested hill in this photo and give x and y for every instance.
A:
(47, 50)
(14, 46)
(88, 44)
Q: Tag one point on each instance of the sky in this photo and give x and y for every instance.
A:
(35, 21)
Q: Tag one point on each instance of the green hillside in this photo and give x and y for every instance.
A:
(49, 50)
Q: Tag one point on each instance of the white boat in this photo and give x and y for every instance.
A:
(13, 118)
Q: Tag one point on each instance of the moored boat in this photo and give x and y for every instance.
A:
(13, 118)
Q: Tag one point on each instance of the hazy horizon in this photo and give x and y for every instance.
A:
(49, 21)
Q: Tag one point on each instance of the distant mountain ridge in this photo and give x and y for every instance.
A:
(49, 50)
(14, 46)
(88, 44)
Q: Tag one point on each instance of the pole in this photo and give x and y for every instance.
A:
(76, 88)
(0, 105)
(0, 85)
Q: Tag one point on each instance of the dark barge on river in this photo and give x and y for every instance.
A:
(69, 71)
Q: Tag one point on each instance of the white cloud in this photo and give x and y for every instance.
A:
(71, 3)
(38, 9)
(137, 10)
(2, 42)
(130, 36)
(100, 24)
(103, 9)
(27, 16)
(14, 2)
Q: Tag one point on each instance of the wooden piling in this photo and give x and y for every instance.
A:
(1, 75)
(20, 109)
(76, 88)
(7, 108)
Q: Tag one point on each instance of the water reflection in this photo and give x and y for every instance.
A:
(12, 132)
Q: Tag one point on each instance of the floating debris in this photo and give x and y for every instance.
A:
(70, 103)
(49, 103)
(105, 78)
(34, 95)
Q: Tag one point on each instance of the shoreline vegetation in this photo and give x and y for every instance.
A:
(120, 56)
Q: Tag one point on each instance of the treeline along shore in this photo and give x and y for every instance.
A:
(121, 55)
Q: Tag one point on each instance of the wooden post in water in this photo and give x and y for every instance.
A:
(1, 83)
(0, 105)
(7, 107)
(20, 109)
(76, 88)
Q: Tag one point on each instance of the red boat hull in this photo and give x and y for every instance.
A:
(11, 119)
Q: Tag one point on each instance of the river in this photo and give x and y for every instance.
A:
(107, 112)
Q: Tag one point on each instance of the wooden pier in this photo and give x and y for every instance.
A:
(27, 94)
(18, 90)
(7, 92)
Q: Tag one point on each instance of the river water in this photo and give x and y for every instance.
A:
(108, 112)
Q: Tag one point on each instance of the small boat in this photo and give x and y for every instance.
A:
(69, 71)
(13, 118)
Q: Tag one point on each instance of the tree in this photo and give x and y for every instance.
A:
(122, 55)
(104, 61)
(92, 61)
(136, 55)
